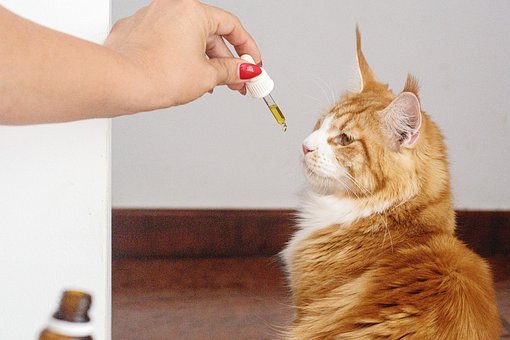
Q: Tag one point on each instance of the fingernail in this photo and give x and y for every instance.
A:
(243, 91)
(211, 91)
(260, 64)
(249, 71)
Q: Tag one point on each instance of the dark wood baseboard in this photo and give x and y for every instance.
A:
(157, 233)
(486, 232)
(199, 233)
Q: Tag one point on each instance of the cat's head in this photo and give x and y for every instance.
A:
(375, 143)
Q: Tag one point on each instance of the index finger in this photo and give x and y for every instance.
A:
(227, 25)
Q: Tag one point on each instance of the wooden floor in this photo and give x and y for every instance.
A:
(236, 298)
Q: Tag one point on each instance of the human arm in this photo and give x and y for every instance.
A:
(153, 59)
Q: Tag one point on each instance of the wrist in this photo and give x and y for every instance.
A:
(134, 89)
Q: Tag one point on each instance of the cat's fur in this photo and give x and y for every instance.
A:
(375, 255)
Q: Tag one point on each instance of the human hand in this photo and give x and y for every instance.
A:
(178, 51)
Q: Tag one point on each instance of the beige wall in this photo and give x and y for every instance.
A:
(226, 151)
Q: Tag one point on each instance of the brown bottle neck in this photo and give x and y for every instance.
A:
(74, 307)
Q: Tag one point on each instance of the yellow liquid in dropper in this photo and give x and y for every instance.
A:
(278, 115)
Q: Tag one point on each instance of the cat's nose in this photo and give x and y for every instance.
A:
(306, 149)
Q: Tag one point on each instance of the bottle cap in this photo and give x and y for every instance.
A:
(74, 306)
(261, 85)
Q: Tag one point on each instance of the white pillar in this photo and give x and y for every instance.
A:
(55, 198)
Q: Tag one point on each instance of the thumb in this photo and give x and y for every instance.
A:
(230, 71)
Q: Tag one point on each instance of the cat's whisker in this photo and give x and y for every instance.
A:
(347, 188)
(320, 85)
(369, 197)
(331, 92)
(314, 98)
(349, 176)
(333, 96)
(368, 192)
(387, 230)
(403, 202)
(326, 90)
(359, 185)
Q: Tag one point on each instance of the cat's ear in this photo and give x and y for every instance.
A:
(402, 121)
(367, 76)
(412, 85)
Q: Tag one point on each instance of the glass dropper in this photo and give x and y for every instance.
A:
(261, 87)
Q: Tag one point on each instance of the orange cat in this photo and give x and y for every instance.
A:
(375, 256)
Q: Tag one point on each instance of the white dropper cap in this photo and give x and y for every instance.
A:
(261, 85)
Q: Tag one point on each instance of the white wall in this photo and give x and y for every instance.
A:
(55, 198)
(226, 151)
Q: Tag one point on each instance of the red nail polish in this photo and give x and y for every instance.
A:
(249, 71)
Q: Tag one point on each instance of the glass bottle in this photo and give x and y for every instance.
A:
(71, 320)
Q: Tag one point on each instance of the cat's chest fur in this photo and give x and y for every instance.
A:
(326, 212)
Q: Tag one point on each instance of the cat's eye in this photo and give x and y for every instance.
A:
(343, 139)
